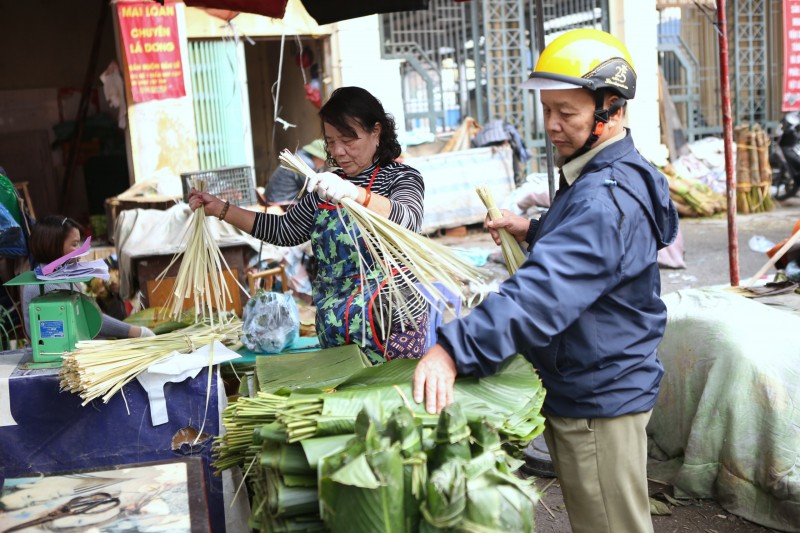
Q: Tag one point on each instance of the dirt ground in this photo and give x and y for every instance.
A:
(707, 264)
(704, 516)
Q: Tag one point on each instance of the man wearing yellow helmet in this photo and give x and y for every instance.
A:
(585, 307)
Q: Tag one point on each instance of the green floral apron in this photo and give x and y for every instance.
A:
(345, 295)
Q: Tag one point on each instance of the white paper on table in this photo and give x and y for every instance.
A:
(175, 369)
(8, 363)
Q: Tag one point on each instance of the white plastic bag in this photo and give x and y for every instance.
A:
(271, 322)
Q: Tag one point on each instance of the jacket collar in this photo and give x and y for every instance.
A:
(573, 169)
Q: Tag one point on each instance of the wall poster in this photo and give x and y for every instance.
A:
(149, 33)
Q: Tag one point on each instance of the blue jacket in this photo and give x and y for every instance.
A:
(585, 308)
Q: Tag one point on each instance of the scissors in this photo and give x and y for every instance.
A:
(96, 503)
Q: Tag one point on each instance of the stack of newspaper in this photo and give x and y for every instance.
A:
(68, 267)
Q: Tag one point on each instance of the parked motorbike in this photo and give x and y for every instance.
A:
(784, 157)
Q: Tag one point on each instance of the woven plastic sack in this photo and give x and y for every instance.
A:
(9, 198)
(12, 239)
(271, 322)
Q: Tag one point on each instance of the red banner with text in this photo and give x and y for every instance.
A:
(152, 50)
(791, 55)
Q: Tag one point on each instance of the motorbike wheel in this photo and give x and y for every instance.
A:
(783, 182)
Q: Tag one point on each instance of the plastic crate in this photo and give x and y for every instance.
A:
(234, 184)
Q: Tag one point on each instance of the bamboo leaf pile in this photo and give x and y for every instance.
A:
(283, 439)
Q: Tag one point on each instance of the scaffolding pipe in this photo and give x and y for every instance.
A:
(476, 56)
(727, 134)
(548, 145)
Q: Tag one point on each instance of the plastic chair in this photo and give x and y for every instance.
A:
(437, 309)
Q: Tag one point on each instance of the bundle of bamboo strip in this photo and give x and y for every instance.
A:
(753, 171)
(512, 253)
(100, 368)
(691, 197)
(200, 274)
(396, 249)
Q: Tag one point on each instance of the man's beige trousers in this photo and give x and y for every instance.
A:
(601, 464)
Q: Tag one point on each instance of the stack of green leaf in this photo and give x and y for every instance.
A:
(308, 409)
(380, 481)
(510, 399)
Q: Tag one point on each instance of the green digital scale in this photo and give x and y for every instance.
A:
(59, 319)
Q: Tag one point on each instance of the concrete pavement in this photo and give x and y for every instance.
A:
(706, 246)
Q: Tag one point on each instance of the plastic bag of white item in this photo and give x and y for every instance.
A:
(114, 91)
(271, 322)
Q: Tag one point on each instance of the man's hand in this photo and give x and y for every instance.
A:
(331, 187)
(434, 378)
(516, 225)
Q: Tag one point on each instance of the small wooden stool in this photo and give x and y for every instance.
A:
(268, 276)
(22, 188)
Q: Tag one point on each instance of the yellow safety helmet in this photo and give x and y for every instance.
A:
(586, 58)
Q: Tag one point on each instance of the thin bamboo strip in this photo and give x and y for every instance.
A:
(101, 368)
(395, 248)
(200, 275)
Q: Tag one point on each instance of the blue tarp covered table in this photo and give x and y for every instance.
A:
(43, 430)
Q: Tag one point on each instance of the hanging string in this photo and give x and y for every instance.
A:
(300, 55)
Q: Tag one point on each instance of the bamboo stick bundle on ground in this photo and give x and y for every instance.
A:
(512, 253)
(691, 197)
(100, 368)
(764, 167)
(742, 169)
(200, 274)
(399, 252)
(755, 196)
(753, 171)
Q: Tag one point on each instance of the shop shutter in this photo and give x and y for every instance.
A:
(217, 103)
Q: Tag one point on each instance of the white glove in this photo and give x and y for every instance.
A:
(145, 332)
(331, 187)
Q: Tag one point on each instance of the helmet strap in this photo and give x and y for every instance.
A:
(601, 116)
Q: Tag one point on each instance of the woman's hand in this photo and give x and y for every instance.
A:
(212, 206)
(140, 331)
(516, 225)
(434, 379)
(331, 187)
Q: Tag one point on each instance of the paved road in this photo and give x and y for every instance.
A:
(706, 246)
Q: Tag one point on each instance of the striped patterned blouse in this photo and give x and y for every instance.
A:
(401, 184)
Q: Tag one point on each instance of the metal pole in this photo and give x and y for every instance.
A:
(727, 133)
(476, 56)
(548, 146)
(83, 108)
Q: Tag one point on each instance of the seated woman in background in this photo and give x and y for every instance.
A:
(56, 236)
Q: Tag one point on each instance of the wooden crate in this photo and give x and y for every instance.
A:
(148, 268)
(158, 293)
